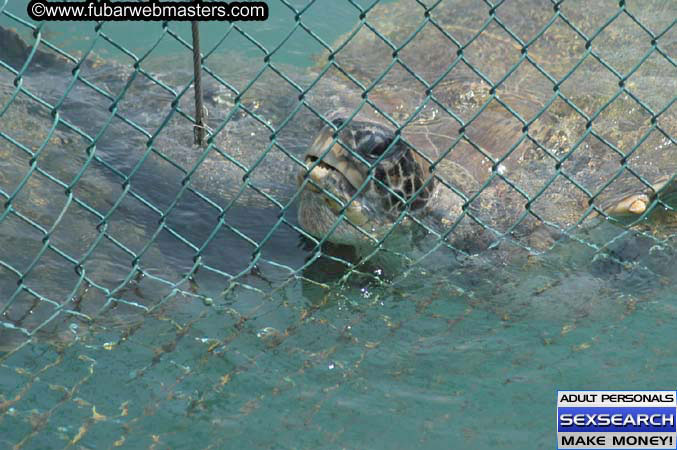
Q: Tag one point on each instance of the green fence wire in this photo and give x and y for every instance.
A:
(103, 192)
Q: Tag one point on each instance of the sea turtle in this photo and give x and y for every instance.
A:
(482, 136)
(503, 122)
(497, 133)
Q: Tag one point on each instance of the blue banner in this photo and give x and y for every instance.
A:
(622, 419)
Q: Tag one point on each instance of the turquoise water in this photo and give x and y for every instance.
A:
(455, 353)
(423, 364)
(140, 37)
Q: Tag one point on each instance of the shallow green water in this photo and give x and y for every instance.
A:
(412, 365)
(453, 354)
(140, 37)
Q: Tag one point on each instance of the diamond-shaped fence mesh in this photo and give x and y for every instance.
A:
(532, 123)
(468, 138)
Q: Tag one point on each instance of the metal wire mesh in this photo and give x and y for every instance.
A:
(101, 187)
(117, 234)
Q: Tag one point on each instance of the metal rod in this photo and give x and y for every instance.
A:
(197, 72)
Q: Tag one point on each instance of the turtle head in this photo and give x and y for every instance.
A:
(360, 175)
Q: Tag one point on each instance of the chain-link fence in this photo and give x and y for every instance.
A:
(206, 278)
(508, 124)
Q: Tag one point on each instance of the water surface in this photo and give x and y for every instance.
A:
(457, 352)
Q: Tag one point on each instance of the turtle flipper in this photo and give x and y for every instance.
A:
(665, 188)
